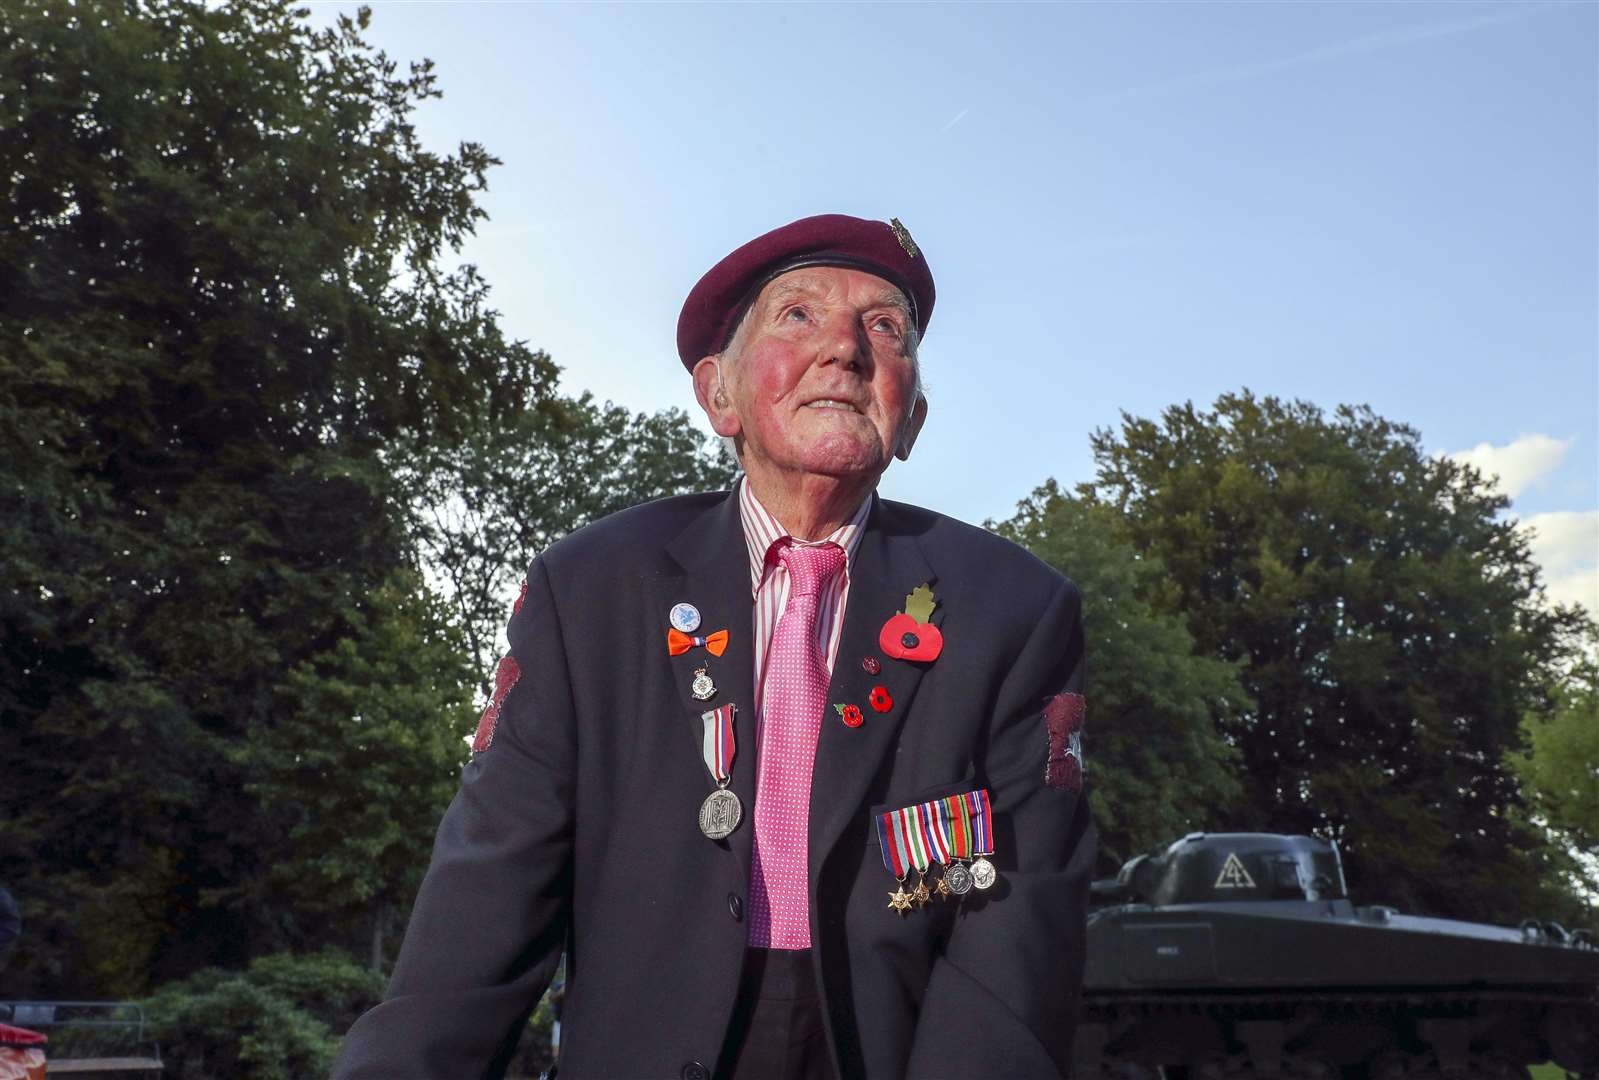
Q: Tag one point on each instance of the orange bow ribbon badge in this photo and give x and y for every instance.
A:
(678, 643)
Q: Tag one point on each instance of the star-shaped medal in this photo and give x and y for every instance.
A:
(943, 890)
(922, 893)
(899, 900)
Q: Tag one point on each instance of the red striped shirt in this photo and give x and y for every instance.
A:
(769, 581)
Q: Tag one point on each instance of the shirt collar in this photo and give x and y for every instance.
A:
(762, 530)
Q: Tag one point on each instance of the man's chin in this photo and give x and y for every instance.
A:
(867, 466)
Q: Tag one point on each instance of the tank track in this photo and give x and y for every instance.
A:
(1379, 1034)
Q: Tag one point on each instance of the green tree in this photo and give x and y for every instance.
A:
(384, 715)
(487, 505)
(223, 327)
(1157, 765)
(1559, 770)
(281, 1019)
(1389, 622)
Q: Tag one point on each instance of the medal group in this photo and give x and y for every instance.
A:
(955, 833)
(951, 833)
(721, 811)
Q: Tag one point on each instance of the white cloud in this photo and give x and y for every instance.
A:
(1566, 545)
(1519, 464)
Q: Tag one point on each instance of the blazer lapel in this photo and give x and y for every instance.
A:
(715, 578)
(888, 565)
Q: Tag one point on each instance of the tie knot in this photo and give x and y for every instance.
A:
(810, 567)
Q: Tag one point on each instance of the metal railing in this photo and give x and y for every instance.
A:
(89, 1038)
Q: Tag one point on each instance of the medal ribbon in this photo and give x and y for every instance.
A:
(982, 821)
(909, 826)
(678, 643)
(958, 819)
(719, 745)
(936, 829)
(894, 859)
(915, 837)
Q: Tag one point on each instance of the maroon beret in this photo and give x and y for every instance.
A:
(718, 301)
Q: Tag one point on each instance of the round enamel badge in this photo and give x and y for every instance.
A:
(685, 618)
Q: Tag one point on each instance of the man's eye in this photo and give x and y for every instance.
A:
(795, 315)
(886, 325)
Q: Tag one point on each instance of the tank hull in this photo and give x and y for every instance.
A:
(1321, 988)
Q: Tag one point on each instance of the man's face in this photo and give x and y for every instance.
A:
(822, 383)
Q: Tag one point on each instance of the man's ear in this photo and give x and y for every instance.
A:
(912, 428)
(711, 392)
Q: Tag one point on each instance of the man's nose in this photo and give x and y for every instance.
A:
(846, 344)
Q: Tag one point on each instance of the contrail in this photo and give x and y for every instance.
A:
(1367, 43)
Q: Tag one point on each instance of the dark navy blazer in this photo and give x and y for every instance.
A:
(577, 827)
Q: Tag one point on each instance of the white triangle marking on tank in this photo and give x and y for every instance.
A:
(1233, 875)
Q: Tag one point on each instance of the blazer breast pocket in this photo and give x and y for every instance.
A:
(914, 797)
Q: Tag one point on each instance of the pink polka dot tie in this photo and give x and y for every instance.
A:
(792, 702)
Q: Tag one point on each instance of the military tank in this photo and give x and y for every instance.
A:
(1233, 955)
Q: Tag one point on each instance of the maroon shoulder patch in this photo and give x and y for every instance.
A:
(1063, 717)
(506, 673)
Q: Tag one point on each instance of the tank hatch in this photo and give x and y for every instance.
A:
(1209, 868)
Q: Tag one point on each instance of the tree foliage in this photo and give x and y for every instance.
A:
(1157, 765)
(1559, 769)
(487, 505)
(1389, 622)
(385, 711)
(281, 1019)
(207, 357)
(231, 357)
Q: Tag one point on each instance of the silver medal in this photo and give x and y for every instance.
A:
(958, 878)
(983, 873)
(685, 618)
(720, 813)
(702, 687)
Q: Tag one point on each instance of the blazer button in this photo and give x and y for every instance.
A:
(695, 1071)
(735, 907)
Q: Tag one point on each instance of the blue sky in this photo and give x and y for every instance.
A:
(1125, 205)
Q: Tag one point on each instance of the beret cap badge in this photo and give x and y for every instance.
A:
(903, 235)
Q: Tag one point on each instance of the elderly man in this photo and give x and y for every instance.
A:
(791, 773)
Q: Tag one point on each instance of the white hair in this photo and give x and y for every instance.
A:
(735, 345)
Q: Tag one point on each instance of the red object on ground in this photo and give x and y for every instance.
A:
(21, 1056)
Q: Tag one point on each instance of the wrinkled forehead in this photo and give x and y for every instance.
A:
(833, 283)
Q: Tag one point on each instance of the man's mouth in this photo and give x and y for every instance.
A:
(831, 403)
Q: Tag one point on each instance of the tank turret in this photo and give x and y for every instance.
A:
(1227, 867)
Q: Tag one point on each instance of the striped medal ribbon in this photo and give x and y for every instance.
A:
(937, 812)
(924, 850)
(721, 811)
(891, 836)
(983, 873)
(956, 817)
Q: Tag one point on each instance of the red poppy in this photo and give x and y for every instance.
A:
(851, 715)
(880, 699)
(903, 638)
